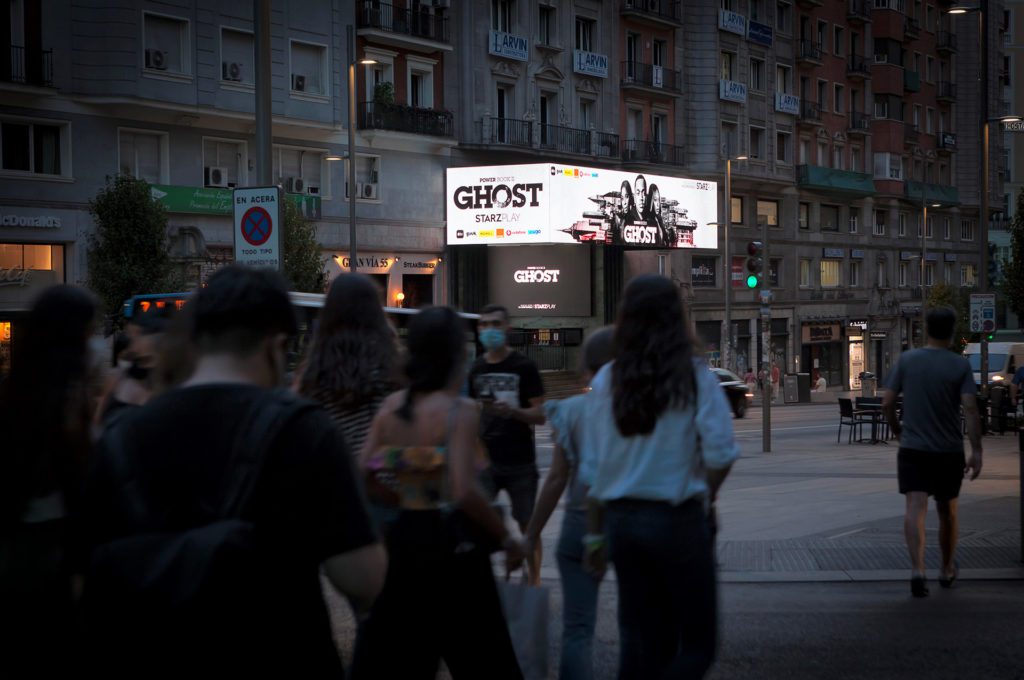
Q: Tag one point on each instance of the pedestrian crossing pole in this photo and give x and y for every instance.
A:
(765, 295)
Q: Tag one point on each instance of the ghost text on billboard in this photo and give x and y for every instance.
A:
(497, 196)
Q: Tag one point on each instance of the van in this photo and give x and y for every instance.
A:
(1004, 358)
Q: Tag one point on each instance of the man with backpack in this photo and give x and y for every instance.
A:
(210, 511)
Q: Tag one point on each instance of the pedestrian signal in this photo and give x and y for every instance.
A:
(755, 264)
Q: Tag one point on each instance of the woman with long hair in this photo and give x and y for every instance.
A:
(45, 414)
(353, 361)
(663, 445)
(439, 598)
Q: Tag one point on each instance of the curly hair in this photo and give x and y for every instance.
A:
(354, 354)
(653, 369)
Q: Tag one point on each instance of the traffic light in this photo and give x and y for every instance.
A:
(755, 264)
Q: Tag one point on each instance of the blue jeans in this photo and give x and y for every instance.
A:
(579, 601)
(664, 562)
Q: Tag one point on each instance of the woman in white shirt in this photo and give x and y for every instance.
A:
(663, 445)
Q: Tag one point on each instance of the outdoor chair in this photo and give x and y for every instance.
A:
(851, 418)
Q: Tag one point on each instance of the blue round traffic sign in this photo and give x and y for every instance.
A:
(256, 226)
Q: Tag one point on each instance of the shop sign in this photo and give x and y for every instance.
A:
(950, 257)
(878, 335)
(35, 222)
(217, 201)
(732, 22)
(19, 286)
(702, 272)
(374, 263)
(760, 33)
(12, 276)
(909, 255)
(787, 103)
(931, 257)
(817, 333)
(839, 253)
(857, 254)
(858, 323)
(732, 91)
(509, 46)
(590, 64)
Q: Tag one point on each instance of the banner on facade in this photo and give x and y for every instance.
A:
(816, 333)
(544, 203)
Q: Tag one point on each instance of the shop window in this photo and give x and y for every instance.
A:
(166, 44)
(39, 148)
(417, 290)
(237, 55)
(302, 171)
(143, 154)
(309, 68)
(33, 257)
(768, 213)
(830, 273)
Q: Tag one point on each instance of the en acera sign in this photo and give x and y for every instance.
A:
(257, 229)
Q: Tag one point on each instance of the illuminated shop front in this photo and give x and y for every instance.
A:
(25, 270)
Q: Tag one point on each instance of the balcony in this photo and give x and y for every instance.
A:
(810, 113)
(810, 3)
(860, 123)
(911, 81)
(511, 132)
(607, 144)
(932, 193)
(835, 181)
(640, 151)
(657, 12)
(946, 42)
(650, 77)
(858, 11)
(947, 142)
(808, 52)
(946, 92)
(858, 68)
(30, 67)
(911, 28)
(401, 27)
(910, 133)
(564, 139)
(399, 118)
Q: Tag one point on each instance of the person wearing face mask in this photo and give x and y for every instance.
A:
(509, 389)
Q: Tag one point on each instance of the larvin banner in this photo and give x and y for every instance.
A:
(544, 203)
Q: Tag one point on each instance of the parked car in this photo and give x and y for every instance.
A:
(737, 392)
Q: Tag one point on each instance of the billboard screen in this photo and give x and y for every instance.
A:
(545, 203)
(552, 281)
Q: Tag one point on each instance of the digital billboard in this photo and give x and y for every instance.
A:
(552, 281)
(550, 203)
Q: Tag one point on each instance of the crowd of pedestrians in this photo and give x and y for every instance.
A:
(183, 512)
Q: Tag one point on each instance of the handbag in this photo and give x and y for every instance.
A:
(526, 613)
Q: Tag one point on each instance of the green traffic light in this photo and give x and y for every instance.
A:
(751, 281)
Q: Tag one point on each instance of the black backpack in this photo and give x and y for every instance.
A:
(193, 587)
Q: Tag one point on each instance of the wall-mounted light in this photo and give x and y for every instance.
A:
(334, 157)
(366, 61)
(399, 298)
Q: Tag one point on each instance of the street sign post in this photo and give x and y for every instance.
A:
(258, 226)
(983, 320)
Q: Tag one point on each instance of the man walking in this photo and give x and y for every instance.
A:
(509, 388)
(176, 582)
(935, 384)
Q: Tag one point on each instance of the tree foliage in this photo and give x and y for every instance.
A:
(1012, 286)
(303, 260)
(128, 251)
(943, 294)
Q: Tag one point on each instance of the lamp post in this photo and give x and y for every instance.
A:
(728, 358)
(351, 179)
(924, 255)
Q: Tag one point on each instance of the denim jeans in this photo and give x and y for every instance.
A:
(579, 601)
(664, 562)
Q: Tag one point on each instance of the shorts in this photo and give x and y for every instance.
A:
(520, 481)
(936, 473)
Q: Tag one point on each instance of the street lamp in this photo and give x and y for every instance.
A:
(352, 146)
(924, 254)
(727, 256)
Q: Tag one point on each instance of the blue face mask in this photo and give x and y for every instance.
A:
(492, 338)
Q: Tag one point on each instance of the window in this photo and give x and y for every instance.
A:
(929, 274)
(882, 277)
(966, 230)
(929, 121)
(420, 86)
(309, 68)
(929, 228)
(586, 114)
(823, 94)
(768, 212)
(308, 166)
(782, 151)
(224, 162)
(756, 142)
(726, 65)
(946, 226)
(659, 48)
(383, 71)
(736, 211)
(584, 34)
(501, 15)
(774, 267)
(784, 79)
(917, 116)
(823, 154)
(837, 157)
(854, 274)
(929, 18)
(823, 36)
(546, 25)
(783, 17)
(805, 273)
(917, 63)
(902, 229)
(166, 44)
(855, 163)
(757, 74)
(839, 98)
(805, 151)
(947, 273)
(888, 166)
(730, 140)
(929, 66)
(143, 154)
(902, 279)
(830, 218)
(39, 148)
(755, 10)
(880, 222)
(968, 275)
(237, 56)
(853, 221)
(837, 41)
(803, 219)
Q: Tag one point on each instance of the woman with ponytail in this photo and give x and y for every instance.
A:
(439, 598)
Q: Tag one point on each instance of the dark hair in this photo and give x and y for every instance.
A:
(493, 308)
(354, 355)
(598, 349)
(119, 344)
(437, 337)
(239, 308)
(940, 322)
(653, 367)
(44, 406)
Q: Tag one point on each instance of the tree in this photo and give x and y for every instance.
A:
(303, 261)
(127, 252)
(1013, 269)
(943, 294)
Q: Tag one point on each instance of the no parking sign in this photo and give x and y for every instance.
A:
(258, 225)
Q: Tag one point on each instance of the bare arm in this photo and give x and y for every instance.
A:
(462, 474)
(973, 422)
(889, 409)
(715, 479)
(358, 574)
(552, 490)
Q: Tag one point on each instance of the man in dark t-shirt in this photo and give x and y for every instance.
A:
(509, 388)
(306, 507)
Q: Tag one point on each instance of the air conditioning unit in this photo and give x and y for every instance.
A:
(312, 188)
(231, 71)
(215, 177)
(298, 82)
(881, 58)
(295, 185)
(156, 59)
(368, 190)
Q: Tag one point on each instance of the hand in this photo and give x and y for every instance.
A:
(515, 552)
(595, 560)
(500, 409)
(973, 468)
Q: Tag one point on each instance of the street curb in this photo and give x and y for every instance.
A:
(549, 574)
